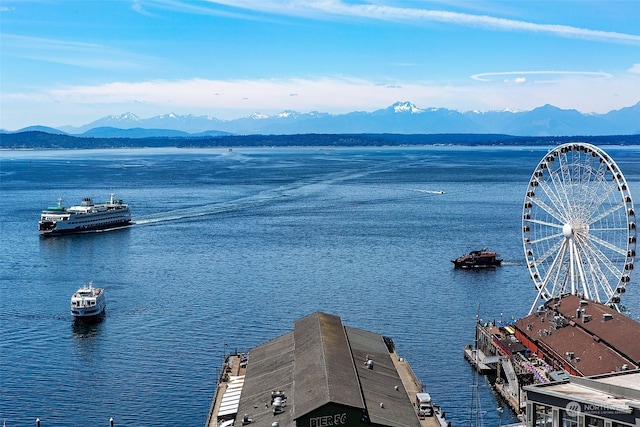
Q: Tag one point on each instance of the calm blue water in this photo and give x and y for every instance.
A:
(231, 248)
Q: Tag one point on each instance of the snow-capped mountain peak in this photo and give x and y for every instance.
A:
(406, 107)
(126, 117)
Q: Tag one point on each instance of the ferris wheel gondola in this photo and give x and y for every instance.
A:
(579, 226)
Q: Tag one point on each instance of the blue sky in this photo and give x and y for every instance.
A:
(70, 62)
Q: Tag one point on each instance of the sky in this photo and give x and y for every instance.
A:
(70, 62)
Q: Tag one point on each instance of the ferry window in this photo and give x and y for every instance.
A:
(594, 422)
(569, 419)
(543, 416)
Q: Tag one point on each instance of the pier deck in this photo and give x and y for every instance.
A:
(231, 369)
(413, 386)
(476, 357)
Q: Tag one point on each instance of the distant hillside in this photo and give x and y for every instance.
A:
(399, 118)
(42, 140)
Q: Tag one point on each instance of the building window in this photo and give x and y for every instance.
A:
(543, 416)
(569, 419)
(594, 422)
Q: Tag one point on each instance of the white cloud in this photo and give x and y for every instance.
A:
(635, 69)
(489, 77)
(326, 9)
(77, 105)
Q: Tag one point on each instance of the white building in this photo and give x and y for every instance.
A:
(608, 400)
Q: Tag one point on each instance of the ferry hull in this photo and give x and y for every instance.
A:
(56, 231)
(88, 319)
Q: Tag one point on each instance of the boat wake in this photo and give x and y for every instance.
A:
(192, 213)
(285, 192)
(426, 191)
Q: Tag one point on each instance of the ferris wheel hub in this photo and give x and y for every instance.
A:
(567, 230)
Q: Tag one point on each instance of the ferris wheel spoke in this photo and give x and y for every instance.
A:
(554, 193)
(594, 203)
(560, 192)
(579, 278)
(602, 260)
(554, 211)
(608, 245)
(548, 224)
(559, 270)
(600, 279)
(610, 211)
(552, 271)
(554, 249)
(545, 238)
(589, 270)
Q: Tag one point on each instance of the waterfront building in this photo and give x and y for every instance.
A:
(581, 337)
(321, 374)
(565, 336)
(609, 400)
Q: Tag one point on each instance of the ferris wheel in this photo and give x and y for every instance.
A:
(579, 226)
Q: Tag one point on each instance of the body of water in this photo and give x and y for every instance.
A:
(230, 248)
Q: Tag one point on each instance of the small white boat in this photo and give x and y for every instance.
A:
(88, 303)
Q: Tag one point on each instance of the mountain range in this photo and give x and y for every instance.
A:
(399, 118)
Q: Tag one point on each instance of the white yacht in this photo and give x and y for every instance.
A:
(88, 303)
(88, 216)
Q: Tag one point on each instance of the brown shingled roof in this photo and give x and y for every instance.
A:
(620, 331)
(593, 347)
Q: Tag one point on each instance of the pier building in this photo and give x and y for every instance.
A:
(322, 373)
(566, 336)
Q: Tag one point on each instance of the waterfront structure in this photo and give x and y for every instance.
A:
(321, 374)
(581, 337)
(565, 336)
(609, 400)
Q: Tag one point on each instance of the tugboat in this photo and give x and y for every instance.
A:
(88, 303)
(477, 259)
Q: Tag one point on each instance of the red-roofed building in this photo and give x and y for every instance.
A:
(582, 337)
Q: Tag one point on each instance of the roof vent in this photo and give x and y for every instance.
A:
(607, 316)
(369, 364)
(584, 302)
(246, 420)
(586, 318)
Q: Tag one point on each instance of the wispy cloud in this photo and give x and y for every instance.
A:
(326, 9)
(518, 76)
(78, 54)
